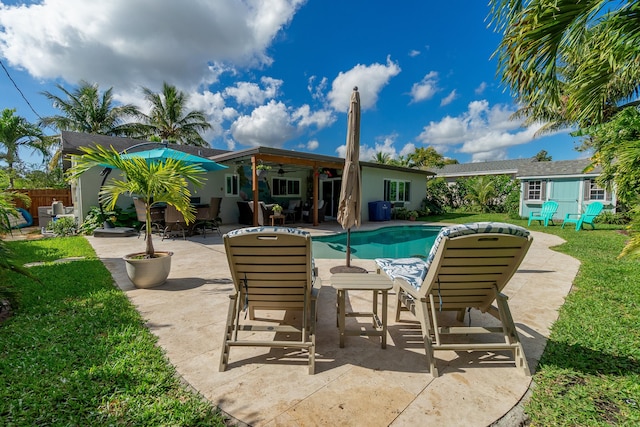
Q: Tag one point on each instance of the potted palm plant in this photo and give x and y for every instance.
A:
(153, 183)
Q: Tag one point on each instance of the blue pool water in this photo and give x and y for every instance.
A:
(387, 242)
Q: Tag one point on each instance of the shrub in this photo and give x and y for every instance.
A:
(65, 226)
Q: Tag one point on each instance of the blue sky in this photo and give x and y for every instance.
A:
(280, 73)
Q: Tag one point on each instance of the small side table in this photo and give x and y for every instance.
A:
(343, 282)
(275, 218)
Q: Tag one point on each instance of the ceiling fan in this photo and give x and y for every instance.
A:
(281, 171)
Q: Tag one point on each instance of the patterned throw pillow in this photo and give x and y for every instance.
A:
(414, 270)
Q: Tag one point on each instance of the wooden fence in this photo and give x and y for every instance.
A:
(44, 197)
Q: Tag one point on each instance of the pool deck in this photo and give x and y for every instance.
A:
(358, 385)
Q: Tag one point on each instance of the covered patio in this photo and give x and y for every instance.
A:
(360, 384)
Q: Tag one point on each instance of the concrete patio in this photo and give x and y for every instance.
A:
(360, 384)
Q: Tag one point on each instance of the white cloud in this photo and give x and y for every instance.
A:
(130, 43)
(268, 125)
(449, 98)
(274, 123)
(317, 91)
(246, 93)
(307, 118)
(384, 144)
(484, 132)
(312, 145)
(370, 80)
(481, 88)
(426, 88)
(413, 53)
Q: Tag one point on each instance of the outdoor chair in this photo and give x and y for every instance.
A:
(593, 210)
(157, 217)
(207, 218)
(293, 209)
(307, 214)
(545, 215)
(467, 267)
(173, 220)
(272, 269)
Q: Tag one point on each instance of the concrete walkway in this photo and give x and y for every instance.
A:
(359, 385)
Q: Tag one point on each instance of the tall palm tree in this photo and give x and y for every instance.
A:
(569, 62)
(16, 132)
(169, 119)
(85, 109)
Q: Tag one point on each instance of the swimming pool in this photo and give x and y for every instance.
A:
(387, 242)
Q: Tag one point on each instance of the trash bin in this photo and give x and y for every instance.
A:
(379, 211)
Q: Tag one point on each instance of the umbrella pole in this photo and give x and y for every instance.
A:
(349, 247)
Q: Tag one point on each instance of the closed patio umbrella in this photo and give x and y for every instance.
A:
(350, 192)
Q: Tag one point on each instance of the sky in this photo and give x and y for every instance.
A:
(280, 73)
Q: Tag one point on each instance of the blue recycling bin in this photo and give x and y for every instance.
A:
(380, 211)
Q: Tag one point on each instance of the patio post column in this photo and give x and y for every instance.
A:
(316, 179)
(254, 188)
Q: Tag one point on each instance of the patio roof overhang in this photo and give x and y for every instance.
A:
(276, 157)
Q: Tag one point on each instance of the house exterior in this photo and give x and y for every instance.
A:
(562, 181)
(291, 175)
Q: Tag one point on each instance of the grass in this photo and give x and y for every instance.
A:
(589, 374)
(76, 352)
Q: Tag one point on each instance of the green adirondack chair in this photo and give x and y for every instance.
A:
(545, 215)
(593, 210)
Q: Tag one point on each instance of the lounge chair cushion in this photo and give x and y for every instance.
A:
(414, 270)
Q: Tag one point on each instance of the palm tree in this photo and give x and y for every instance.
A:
(169, 120)
(382, 158)
(16, 132)
(152, 182)
(569, 62)
(481, 191)
(87, 110)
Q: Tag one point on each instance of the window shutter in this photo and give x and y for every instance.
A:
(526, 190)
(587, 190)
(543, 190)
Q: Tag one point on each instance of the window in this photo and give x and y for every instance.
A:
(397, 191)
(534, 190)
(285, 187)
(595, 192)
(231, 185)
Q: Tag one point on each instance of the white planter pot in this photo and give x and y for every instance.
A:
(148, 273)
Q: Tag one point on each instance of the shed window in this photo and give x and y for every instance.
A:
(595, 192)
(534, 190)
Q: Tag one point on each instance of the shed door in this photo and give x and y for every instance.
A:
(566, 193)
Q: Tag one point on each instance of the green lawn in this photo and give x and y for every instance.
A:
(77, 352)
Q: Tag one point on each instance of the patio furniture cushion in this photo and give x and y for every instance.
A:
(414, 270)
